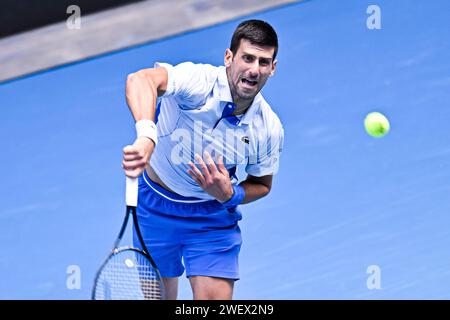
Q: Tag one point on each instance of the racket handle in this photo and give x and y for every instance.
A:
(132, 192)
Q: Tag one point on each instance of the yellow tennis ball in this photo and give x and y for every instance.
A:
(376, 124)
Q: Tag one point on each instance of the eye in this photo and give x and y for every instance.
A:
(264, 62)
(248, 58)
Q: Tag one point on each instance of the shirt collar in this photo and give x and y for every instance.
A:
(225, 96)
(224, 88)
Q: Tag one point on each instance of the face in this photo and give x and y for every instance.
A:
(249, 69)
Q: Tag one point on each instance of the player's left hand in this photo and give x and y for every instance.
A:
(215, 180)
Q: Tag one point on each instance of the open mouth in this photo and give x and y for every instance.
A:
(249, 83)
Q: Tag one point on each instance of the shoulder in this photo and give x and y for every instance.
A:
(190, 69)
(190, 82)
(269, 120)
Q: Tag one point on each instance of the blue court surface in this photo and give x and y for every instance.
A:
(342, 203)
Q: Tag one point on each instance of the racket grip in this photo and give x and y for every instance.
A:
(132, 191)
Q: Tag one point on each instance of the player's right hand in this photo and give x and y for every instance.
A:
(136, 156)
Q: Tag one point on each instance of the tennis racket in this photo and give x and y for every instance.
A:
(128, 273)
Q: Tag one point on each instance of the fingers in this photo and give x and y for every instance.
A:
(208, 172)
(203, 177)
(221, 166)
(133, 161)
(195, 178)
(130, 150)
(203, 168)
(196, 174)
(133, 169)
(131, 157)
(210, 163)
(134, 164)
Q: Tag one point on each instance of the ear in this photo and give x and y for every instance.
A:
(228, 58)
(274, 66)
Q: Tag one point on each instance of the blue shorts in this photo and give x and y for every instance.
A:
(204, 234)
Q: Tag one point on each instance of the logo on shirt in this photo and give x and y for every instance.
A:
(245, 139)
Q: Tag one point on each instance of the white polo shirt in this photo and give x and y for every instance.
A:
(194, 115)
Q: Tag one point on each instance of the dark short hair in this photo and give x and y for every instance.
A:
(258, 32)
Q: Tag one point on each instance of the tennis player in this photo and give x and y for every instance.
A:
(196, 123)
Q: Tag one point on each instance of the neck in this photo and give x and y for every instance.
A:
(241, 105)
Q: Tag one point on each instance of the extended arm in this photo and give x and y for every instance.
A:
(142, 89)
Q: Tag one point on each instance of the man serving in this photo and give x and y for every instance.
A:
(195, 124)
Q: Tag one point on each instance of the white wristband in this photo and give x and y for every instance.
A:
(147, 128)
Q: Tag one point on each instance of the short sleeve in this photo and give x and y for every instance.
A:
(189, 83)
(267, 158)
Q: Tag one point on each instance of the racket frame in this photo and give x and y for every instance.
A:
(131, 210)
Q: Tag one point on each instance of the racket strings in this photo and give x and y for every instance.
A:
(128, 275)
